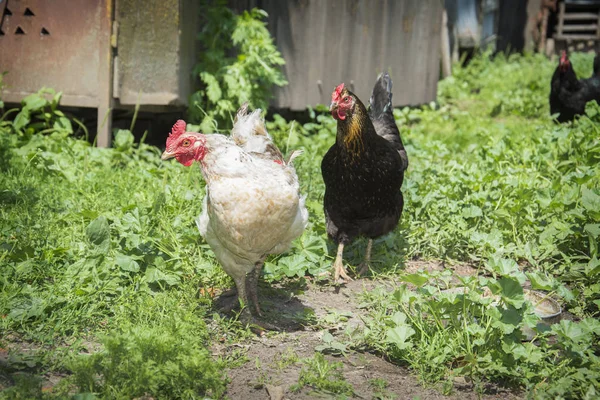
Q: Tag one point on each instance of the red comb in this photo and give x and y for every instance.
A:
(563, 57)
(177, 130)
(337, 93)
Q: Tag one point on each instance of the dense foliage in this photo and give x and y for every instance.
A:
(99, 249)
(239, 62)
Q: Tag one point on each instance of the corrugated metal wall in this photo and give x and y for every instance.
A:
(328, 42)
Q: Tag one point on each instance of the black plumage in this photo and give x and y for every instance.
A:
(569, 95)
(364, 170)
(593, 82)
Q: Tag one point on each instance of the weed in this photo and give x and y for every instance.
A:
(229, 81)
(379, 386)
(323, 375)
(146, 360)
(286, 359)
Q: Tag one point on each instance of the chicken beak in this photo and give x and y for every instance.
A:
(166, 155)
(333, 108)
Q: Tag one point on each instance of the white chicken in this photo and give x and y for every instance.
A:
(252, 206)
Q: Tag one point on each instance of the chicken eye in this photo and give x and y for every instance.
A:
(186, 143)
(347, 100)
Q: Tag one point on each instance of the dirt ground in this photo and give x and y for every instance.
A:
(297, 308)
(262, 378)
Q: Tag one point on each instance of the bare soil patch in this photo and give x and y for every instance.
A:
(264, 377)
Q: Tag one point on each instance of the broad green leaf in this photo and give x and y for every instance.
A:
(592, 268)
(472, 212)
(213, 91)
(502, 266)
(399, 335)
(511, 291)
(399, 318)
(294, 265)
(416, 279)
(539, 281)
(569, 330)
(127, 263)
(154, 274)
(64, 124)
(56, 99)
(590, 200)
(327, 337)
(98, 233)
(22, 119)
(591, 325)
(506, 319)
(123, 140)
(402, 294)
(34, 102)
(593, 230)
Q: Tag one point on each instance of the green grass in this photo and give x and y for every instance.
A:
(100, 246)
(323, 375)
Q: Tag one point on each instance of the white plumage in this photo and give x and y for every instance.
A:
(252, 206)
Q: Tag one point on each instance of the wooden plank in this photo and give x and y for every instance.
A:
(579, 28)
(65, 100)
(580, 16)
(575, 37)
(105, 75)
(65, 58)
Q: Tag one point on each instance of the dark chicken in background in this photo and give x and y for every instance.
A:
(363, 171)
(594, 81)
(568, 95)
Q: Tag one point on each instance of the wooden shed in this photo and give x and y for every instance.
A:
(110, 54)
(102, 54)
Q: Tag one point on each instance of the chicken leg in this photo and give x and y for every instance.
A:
(252, 281)
(240, 284)
(364, 266)
(338, 266)
(247, 286)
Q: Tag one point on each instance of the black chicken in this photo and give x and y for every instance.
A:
(594, 80)
(568, 95)
(363, 171)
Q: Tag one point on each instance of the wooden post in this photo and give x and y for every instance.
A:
(561, 19)
(105, 76)
(598, 26)
(445, 47)
(543, 30)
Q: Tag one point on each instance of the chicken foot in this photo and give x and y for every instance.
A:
(247, 287)
(338, 266)
(364, 266)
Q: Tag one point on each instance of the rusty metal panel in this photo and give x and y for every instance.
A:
(328, 42)
(156, 51)
(53, 44)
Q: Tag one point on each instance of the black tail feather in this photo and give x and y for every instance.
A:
(381, 98)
